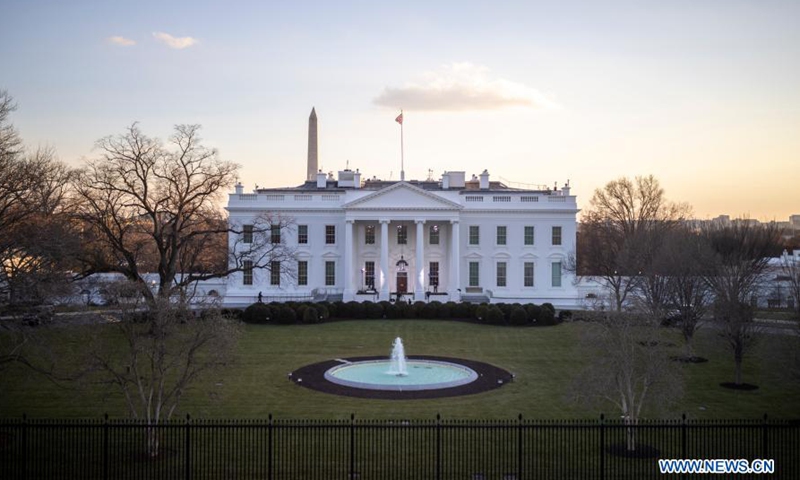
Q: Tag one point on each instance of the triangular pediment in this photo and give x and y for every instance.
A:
(402, 196)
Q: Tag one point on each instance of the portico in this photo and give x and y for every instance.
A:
(417, 244)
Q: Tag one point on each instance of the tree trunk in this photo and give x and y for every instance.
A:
(737, 361)
(152, 441)
(630, 433)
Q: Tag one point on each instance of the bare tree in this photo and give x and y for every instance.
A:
(620, 231)
(684, 259)
(35, 237)
(790, 269)
(144, 203)
(741, 257)
(165, 348)
(627, 367)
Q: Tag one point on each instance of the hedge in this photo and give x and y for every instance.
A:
(495, 314)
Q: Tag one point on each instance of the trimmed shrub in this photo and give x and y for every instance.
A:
(285, 315)
(481, 313)
(505, 308)
(446, 310)
(257, 313)
(534, 313)
(431, 310)
(355, 310)
(419, 309)
(495, 316)
(373, 310)
(333, 309)
(234, 313)
(518, 316)
(564, 315)
(322, 309)
(310, 315)
(547, 315)
(462, 311)
(406, 310)
(391, 310)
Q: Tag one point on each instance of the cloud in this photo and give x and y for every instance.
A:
(121, 41)
(174, 42)
(463, 86)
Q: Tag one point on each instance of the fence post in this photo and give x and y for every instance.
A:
(187, 449)
(764, 444)
(269, 448)
(438, 446)
(352, 446)
(684, 437)
(105, 446)
(602, 447)
(24, 446)
(519, 447)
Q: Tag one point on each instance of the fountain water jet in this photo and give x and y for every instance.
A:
(398, 359)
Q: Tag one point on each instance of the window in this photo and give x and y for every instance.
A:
(247, 234)
(247, 272)
(556, 271)
(556, 235)
(275, 233)
(474, 274)
(369, 235)
(274, 272)
(474, 235)
(501, 235)
(369, 275)
(501, 274)
(528, 235)
(433, 274)
(330, 234)
(302, 272)
(527, 274)
(433, 236)
(330, 274)
(302, 234)
(402, 235)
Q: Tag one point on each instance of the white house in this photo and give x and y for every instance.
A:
(447, 239)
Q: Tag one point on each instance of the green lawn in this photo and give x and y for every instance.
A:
(544, 360)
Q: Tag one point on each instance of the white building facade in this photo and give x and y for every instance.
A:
(446, 239)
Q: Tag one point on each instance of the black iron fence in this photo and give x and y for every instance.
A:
(381, 449)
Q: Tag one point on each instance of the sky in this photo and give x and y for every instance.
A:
(705, 95)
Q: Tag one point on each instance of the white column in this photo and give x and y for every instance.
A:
(419, 286)
(384, 280)
(349, 254)
(455, 261)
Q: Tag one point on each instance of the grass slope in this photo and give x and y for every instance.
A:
(544, 360)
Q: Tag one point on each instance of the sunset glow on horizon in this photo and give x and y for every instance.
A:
(702, 95)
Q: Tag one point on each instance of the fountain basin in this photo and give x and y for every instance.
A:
(421, 375)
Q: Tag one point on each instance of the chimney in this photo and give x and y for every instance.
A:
(322, 179)
(485, 180)
(312, 146)
(357, 179)
(445, 181)
(239, 188)
(565, 190)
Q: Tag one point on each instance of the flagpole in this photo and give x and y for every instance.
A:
(402, 160)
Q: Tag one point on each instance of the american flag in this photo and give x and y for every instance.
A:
(399, 118)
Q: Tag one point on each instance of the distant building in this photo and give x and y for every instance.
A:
(422, 240)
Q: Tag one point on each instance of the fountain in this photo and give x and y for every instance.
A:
(398, 366)
(399, 373)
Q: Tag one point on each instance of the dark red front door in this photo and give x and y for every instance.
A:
(402, 282)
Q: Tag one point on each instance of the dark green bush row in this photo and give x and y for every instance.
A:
(496, 314)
